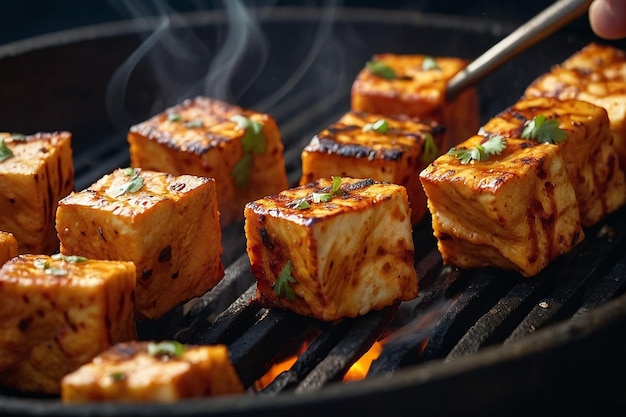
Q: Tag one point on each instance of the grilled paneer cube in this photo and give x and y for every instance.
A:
(597, 74)
(35, 172)
(157, 372)
(57, 313)
(333, 248)
(8, 247)
(582, 131)
(515, 211)
(240, 148)
(167, 225)
(385, 148)
(415, 85)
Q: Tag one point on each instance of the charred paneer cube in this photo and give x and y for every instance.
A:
(240, 148)
(385, 148)
(597, 74)
(582, 131)
(334, 248)
(167, 225)
(36, 171)
(415, 85)
(8, 247)
(145, 371)
(504, 203)
(59, 312)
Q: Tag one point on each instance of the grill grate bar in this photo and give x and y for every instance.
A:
(251, 355)
(482, 290)
(308, 360)
(364, 331)
(573, 274)
(612, 285)
(518, 299)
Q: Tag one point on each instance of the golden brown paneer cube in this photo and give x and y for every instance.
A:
(385, 148)
(240, 148)
(415, 85)
(162, 372)
(167, 225)
(516, 210)
(597, 74)
(582, 131)
(333, 248)
(57, 313)
(8, 247)
(35, 172)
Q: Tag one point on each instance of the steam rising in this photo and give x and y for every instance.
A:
(183, 63)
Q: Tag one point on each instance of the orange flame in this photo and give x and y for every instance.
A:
(356, 372)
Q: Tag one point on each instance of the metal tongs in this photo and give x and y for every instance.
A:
(539, 27)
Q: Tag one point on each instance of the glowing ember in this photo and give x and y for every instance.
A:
(356, 372)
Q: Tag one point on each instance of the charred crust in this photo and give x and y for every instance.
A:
(25, 323)
(166, 254)
(265, 238)
(328, 145)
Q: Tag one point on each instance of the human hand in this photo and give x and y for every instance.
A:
(608, 18)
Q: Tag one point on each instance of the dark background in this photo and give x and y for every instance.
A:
(25, 18)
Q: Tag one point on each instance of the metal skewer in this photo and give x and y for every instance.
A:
(539, 27)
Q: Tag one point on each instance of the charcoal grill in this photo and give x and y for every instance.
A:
(482, 342)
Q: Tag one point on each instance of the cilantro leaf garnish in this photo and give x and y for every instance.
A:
(380, 126)
(133, 185)
(481, 152)
(282, 287)
(174, 117)
(69, 258)
(5, 152)
(430, 63)
(381, 69)
(543, 130)
(305, 202)
(118, 376)
(301, 204)
(169, 348)
(430, 151)
(321, 197)
(18, 137)
(195, 123)
(56, 271)
(41, 263)
(252, 142)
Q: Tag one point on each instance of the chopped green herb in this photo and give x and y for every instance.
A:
(69, 258)
(193, 124)
(5, 152)
(282, 287)
(543, 130)
(170, 348)
(481, 152)
(381, 69)
(242, 170)
(18, 137)
(430, 151)
(252, 142)
(174, 117)
(41, 263)
(380, 126)
(302, 204)
(321, 197)
(430, 63)
(336, 189)
(118, 376)
(55, 271)
(133, 185)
